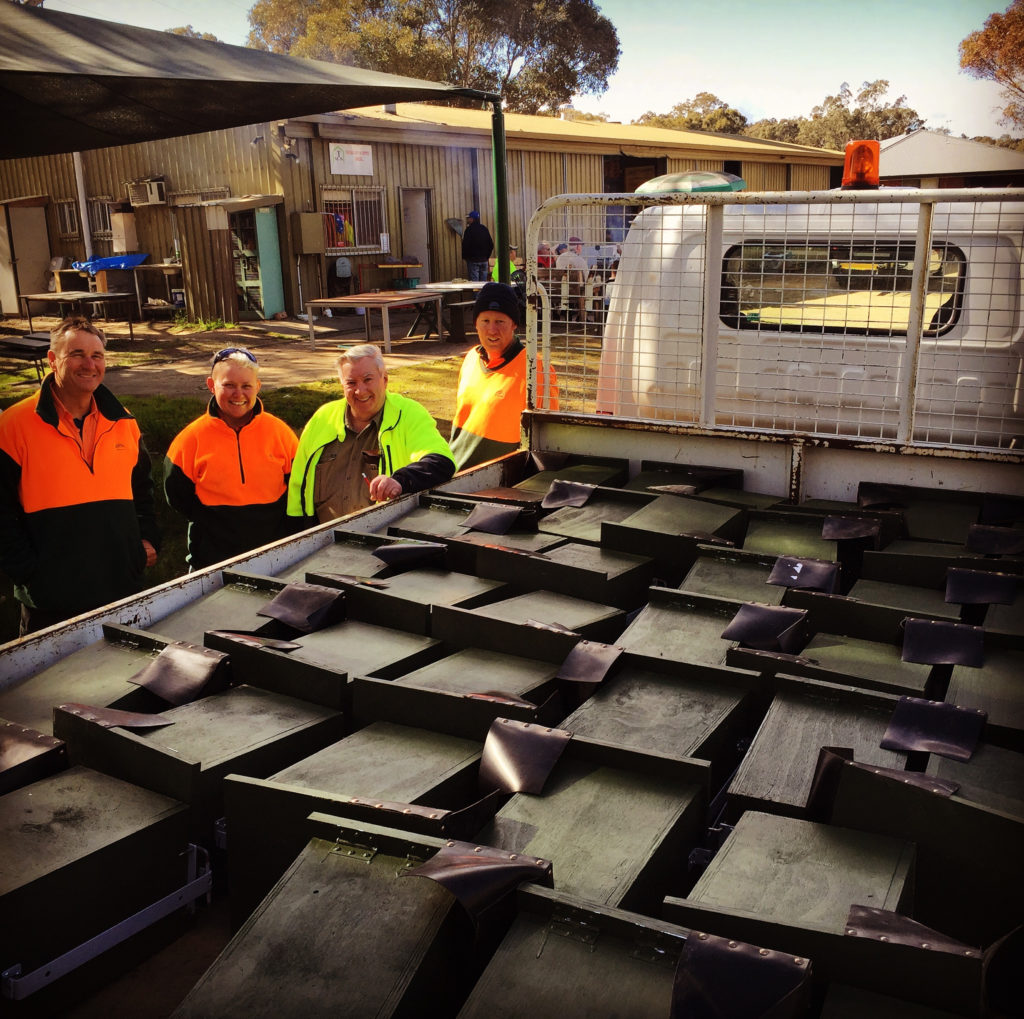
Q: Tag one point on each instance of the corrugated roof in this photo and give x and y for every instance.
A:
(925, 153)
(611, 137)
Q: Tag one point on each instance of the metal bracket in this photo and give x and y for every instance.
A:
(355, 851)
(16, 987)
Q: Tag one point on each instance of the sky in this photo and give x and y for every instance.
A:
(767, 58)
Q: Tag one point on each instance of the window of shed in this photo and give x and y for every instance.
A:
(99, 217)
(355, 219)
(67, 218)
(855, 287)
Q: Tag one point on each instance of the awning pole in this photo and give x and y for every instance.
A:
(83, 206)
(501, 242)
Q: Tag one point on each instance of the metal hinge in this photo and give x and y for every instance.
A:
(354, 850)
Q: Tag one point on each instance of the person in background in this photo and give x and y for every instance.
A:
(513, 254)
(545, 259)
(77, 522)
(491, 395)
(227, 471)
(574, 266)
(368, 447)
(477, 247)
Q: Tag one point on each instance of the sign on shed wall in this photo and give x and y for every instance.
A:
(353, 159)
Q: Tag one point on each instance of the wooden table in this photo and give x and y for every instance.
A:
(456, 308)
(383, 300)
(76, 300)
(30, 348)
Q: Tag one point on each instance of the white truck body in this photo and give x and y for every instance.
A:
(888, 315)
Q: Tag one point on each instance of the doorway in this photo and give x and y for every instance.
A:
(24, 250)
(415, 203)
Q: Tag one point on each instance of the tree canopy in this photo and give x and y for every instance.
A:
(190, 33)
(704, 112)
(831, 124)
(996, 53)
(536, 53)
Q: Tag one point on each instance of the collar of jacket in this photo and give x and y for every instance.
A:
(106, 403)
(511, 353)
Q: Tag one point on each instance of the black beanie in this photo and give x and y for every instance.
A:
(497, 297)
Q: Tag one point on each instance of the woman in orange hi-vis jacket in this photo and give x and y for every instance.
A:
(227, 471)
(492, 382)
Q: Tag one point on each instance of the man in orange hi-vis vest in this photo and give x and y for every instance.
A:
(492, 382)
(77, 524)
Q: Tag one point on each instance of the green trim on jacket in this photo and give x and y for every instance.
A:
(407, 434)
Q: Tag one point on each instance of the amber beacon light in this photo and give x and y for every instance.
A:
(860, 169)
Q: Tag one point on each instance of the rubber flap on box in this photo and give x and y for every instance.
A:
(589, 662)
(409, 555)
(567, 493)
(980, 587)
(983, 539)
(720, 978)
(934, 727)
(255, 640)
(519, 756)
(478, 876)
(111, 718)
(851, 529)
(871, 495)
(184, 672)
(767, 627)
(937, 642)
(492, 518)
(884, 925)
(548, 459)
(806, 574)
(306, 607)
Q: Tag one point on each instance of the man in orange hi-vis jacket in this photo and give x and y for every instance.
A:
(77, 525)
(492, 382)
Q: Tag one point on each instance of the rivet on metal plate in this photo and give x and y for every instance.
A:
(732, 944)
(478, 850)
(882, 937)
(851, 932)
(798, 961)
(924, 944)
(763, 951)
(702, 937)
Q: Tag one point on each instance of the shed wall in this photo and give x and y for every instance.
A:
(259, 159)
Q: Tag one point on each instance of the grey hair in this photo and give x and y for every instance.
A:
(74, 324)
(358, 352)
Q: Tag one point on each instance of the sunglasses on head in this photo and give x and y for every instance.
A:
(222, 355)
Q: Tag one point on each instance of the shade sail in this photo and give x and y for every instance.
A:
(70, 83)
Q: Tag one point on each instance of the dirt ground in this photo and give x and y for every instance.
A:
(162, 361)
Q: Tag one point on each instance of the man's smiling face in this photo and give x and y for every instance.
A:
(365, 388)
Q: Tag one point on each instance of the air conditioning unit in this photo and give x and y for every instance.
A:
(146, 192)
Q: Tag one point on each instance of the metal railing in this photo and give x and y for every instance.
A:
(892, 315)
